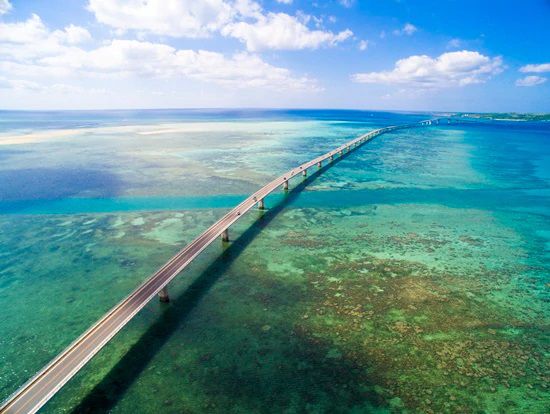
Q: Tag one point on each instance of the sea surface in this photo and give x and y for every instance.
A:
(411, 276)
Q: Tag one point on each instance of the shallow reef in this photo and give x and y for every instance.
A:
(411, 277)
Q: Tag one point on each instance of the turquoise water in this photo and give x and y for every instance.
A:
(411, 276)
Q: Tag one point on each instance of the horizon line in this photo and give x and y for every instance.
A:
(259, 108)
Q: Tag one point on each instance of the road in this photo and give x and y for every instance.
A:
(42, 386)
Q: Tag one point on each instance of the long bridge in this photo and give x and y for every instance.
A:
(32, 395)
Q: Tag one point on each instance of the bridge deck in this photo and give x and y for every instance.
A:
(40, 388)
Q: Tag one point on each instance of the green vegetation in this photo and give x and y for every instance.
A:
(507, 116)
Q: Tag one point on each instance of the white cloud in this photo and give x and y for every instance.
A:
(243, 19)
(32, 54)
(75, 35)
(454, 43)
(363, 45)
(177, 18)
(33, 32)
(541, 68)
(18, 84)
(449, 69)
(284, 1)
(5, 7)
(530, 81)
(408, 29)
(282, 31)
(159, 60)
(31, 39)
(346, 3)
(28, 31)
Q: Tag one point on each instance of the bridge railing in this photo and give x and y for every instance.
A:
(43, 385)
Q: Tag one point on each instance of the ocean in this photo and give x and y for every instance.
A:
(411, 276)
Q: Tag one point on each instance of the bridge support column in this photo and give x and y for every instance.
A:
(304, 173)
(332, 157)
(225, 235)
(319, 164)
(285, 185)
(341, 153)
(163, 295)
(261, 205)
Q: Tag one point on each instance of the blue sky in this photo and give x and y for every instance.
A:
(373, 54)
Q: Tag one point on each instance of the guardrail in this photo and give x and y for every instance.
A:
(43, 385)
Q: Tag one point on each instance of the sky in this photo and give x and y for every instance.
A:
(410, 55)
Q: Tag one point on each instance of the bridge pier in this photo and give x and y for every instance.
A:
(163, 295)
(225, 235)
(319, 164)
(47, 382)
(341, 153)
(332, 157)
(304, 172)
(261, 205)
(285, 185)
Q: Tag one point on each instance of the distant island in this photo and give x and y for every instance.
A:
(506, 116)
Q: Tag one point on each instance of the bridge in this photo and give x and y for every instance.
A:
(30, 397)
